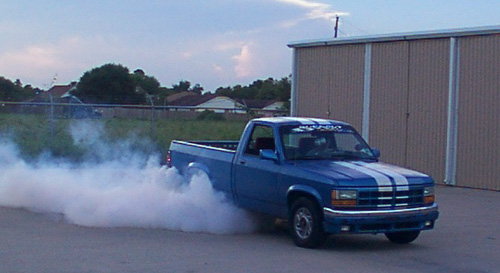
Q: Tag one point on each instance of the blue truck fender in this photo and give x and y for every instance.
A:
(303, 190)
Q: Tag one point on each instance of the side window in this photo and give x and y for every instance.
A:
(262, 138)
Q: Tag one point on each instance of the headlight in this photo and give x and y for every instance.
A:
(344, 198)
(429, 196)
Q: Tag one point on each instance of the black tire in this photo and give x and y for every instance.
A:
(306, 223)
(404, 237)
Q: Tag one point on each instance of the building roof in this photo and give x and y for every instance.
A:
(56, 91)
(191, 100)
(255, 104)
(197, 100)
(489, 30)
(179, 95)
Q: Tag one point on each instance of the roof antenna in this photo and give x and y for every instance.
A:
(48, 86)
(336, 25)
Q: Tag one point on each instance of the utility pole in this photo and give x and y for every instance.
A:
(336, 26)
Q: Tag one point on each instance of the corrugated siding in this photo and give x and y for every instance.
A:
(409, 101)
(427, 106)
(478, 159)
(388, 100)
(346, 83)
(330, 82)
(313, 81)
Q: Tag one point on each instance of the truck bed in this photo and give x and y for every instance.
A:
(213, 157)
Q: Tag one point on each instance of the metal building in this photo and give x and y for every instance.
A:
(429, 101)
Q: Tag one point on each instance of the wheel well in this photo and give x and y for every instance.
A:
(294, 195)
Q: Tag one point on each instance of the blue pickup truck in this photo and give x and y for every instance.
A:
(318, 174)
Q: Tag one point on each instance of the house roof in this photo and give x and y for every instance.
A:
(256, 104)
(179, 95)
(192, 100)
(196, 100)
(57, 92)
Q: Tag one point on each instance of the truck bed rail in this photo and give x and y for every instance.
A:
(229, 145)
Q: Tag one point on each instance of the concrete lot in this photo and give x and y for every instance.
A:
(466, 239)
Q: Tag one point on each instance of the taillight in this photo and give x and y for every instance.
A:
(169, 159)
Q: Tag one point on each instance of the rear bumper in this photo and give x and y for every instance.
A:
(380, 221)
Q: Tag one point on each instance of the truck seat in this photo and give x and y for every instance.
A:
(306, 144)
(262, 143)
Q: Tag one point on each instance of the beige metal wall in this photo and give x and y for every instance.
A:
(313, 81)
(346, 83)
(408, 103)
(478, 159)
(428, 106)
(409, 89)
(329, 82)
(388, 100)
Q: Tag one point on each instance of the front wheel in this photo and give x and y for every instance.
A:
(306, 223)
(404, 237)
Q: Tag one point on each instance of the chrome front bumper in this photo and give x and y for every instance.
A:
(328, 212)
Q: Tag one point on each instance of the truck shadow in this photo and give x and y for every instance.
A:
(357, 243)
(279, 230)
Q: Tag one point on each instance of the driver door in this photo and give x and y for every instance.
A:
(255, 179)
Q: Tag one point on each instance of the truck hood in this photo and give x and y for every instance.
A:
(363, 174)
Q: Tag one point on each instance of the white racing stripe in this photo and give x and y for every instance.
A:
(400, 180)
(383, 181)
(400, 170)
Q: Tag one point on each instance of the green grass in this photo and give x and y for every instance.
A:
(36, 134)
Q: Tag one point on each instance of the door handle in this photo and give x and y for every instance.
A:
(243, 162)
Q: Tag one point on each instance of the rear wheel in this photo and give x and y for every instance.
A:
(404, 237)
(306, 223)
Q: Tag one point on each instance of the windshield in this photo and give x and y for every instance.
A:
(316, 142)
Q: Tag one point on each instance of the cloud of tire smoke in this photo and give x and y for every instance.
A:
(116, 186)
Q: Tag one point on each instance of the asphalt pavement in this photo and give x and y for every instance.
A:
(465, 239)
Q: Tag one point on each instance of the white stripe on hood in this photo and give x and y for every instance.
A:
(400, 180)
(383, 181)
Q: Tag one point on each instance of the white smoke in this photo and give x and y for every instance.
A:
(116, 187)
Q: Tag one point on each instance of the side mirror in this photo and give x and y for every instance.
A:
(268, 155)
(376, 153)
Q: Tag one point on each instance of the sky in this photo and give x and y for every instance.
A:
(213, 43)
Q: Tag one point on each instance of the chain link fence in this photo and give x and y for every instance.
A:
(54, 111)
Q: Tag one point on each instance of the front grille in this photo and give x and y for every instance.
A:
(375, 199)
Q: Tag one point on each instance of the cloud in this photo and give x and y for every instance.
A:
(315, 11)
(244, 62)
(37, 61)
(217, 68)
(69, 57)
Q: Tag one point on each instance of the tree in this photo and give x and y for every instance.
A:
(110, 83)
(224, 91)
(149, 84)
(283, 92)
(182, 86)
(197, 89)
(10, 91)
(269, 89)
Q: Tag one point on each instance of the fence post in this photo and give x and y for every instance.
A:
(51, 120)
(152, 118)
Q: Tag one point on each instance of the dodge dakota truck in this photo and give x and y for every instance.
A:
(318, 174)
